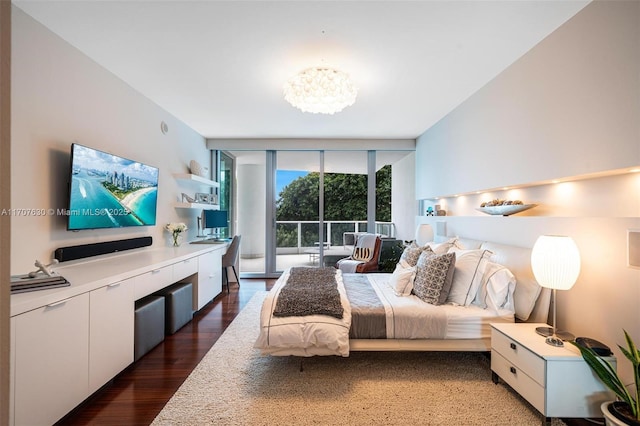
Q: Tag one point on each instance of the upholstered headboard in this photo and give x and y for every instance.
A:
(531, 300)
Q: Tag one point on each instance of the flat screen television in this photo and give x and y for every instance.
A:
(107, 191)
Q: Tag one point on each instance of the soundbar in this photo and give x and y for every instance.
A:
(64, 254)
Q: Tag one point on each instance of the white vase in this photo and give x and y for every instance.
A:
(609, 418)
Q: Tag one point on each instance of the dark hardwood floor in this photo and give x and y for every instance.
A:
(138, 394)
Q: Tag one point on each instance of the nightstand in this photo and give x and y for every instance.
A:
(555, 380)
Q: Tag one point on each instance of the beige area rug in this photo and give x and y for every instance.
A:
(235, 385)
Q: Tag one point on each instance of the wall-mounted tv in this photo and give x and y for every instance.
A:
(107, 191)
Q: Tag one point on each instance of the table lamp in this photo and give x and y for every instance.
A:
(555, 261)
(424, 234)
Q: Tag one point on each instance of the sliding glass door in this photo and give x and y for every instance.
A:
(251, 199)
(298, 240)
(345, 201)
(225, 178)
(300, 208)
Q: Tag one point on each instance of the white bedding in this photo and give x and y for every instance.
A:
(305, 335)
(407, 317)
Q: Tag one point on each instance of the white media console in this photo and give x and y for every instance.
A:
(68, 342)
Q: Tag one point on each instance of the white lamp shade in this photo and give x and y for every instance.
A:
(424, 234)
(555, 261)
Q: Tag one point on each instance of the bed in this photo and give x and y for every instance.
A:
(375, 317)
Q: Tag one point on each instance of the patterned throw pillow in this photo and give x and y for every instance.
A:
(362, 254)
(433, 274)
(412, 253)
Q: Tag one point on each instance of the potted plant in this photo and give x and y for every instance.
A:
(390, 255)
(626, 410)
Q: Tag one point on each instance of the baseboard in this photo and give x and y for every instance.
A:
(64, 254)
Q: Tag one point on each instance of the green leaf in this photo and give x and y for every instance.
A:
(609, 376)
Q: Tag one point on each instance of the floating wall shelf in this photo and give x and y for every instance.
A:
(196, 206)
(196, 179)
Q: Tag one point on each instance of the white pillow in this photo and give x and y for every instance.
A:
(401, 280)
(496, 291)
(444, 247)
(525, 297)
(467, 276)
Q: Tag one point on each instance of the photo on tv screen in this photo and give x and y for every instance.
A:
(107, 191)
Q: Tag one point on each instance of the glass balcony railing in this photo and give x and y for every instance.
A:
(294, 237)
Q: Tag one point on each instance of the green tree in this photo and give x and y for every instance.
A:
(383, 194)
(345, 198)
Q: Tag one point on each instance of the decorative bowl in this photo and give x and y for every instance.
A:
(197, 169)
(506, 210)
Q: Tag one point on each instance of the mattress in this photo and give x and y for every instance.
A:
(405, 318)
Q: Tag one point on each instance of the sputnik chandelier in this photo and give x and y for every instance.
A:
(320, 90)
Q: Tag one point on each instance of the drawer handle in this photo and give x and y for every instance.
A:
(114, 285)
(54, 304)
(513, 370)
(513, 346)
(155, 271)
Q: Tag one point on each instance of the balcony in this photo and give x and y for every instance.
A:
(298, 243)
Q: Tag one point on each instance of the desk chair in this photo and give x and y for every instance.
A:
(229, 260)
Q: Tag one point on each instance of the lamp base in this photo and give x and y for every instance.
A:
(554, 341)
(561, 335)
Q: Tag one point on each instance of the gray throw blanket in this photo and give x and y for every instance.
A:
(309, 291)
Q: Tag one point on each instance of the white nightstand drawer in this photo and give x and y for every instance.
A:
(518, 380)
(521, 357)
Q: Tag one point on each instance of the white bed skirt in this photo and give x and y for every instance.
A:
(468, 345)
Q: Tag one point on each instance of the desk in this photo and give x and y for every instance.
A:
(68, 342)
(210, 241)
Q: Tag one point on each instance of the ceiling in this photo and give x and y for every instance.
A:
(219, 66)
(332, 161)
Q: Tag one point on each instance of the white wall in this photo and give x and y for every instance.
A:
(403, 200)
(569, 107)
(60, 96)
(252, 201)
(5, 221)
(607, 196)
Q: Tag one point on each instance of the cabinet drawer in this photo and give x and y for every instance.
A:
(185, 268)
(153, 281)
(111, 322)
(528, 388)
(521, 357)
(51, 361)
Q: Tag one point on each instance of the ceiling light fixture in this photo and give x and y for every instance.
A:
(320, 90)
